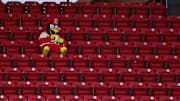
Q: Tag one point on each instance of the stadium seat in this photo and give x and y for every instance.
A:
(32, 7)
(138, 9)
(36, 98)
(120, 21)
(173, 21)
(54, 98)
(156, 8)
(170, 34)
(120, 8)
(17, 98)
(139, 21)
(15, 7)
(158, 21)
(49, 7)
(149, 34)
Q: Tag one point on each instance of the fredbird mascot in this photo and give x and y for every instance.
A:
(50, 41)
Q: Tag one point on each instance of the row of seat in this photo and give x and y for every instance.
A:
(117, 90)
(95, 30)
(117, 8)
(138, 21)
(75, 34)
(118, 49)
(86, 17)
(93, 78)
(86, 98)
(97, 62)
(85, 69)
(91, 38)
(100, 4)
(27, 50)
(98, 43)
(96, 91)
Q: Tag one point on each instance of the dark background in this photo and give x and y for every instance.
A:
(173, 7)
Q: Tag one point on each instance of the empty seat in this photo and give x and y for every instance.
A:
(120, 8)
(173, 21)
(104, 23)
(29, 21)
(54, 97)
(39, 60)
(103, 8)
(36, 98)
(15, 7)
(50, 7)
(2, 9)
(130, 34)
(17, 98)
(156, 8)
(139, 21)
(85, 22)
(138, 9)
(67, 9)
(158, 21)
(169, 34)
(109, 98)
(150, 34)
(120, 21)
(33, 7)
(87, 9)
(9, 47)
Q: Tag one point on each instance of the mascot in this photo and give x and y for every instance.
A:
(49, 40)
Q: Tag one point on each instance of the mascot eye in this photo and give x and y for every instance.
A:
(57, 26)
(51, 26)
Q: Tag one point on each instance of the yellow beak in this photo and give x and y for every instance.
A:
(54, 30)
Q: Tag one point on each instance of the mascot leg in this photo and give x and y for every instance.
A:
(63, 50)
(46, 50)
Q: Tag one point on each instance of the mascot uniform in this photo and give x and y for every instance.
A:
(50, 41)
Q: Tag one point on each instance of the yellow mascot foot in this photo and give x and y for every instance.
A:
(46, 50)
(63, 50)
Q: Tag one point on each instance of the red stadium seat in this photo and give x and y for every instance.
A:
(120, 8)
(139, 21)
(54, 98)
(173, 21)
(17, 98)
(139, 9)
(33, 7)
(36, 98)
(149, 34)
(120, 20)
(15, 7)
(156, 8)
(50, 7)
(103, 8)
(158, 21)
(109, 98)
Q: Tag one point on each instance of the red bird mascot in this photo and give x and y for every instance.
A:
(50, 41)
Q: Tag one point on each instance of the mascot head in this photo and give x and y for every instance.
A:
(52, 26)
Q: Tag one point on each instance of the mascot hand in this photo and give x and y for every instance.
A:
(61, 41)
(52, 41)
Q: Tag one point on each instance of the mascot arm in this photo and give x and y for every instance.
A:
(44, 40)
(62, 41)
